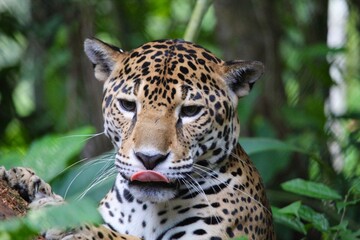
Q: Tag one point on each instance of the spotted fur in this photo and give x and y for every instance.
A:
(177, 100)
(170, 108)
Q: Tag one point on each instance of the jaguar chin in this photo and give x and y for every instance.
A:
(153, 191)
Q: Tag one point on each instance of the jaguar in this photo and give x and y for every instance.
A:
(170, 110)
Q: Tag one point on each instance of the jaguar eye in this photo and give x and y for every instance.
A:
(127, 105)
(190, 111)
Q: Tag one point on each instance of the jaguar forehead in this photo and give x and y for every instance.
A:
(163, 52)
(158, 65)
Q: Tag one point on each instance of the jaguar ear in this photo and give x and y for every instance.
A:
(103, 56)
(240, 76)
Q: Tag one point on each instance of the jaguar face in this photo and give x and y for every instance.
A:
(169, 106)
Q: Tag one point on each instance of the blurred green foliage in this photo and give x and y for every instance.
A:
(43, 99)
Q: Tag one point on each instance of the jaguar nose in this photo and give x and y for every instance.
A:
(150, 161)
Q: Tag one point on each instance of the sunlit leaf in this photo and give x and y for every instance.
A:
(288, 220)
(49, 155)
(318, 220)
(11, 50)
(5, 236)
(310, 189)
(293, 208)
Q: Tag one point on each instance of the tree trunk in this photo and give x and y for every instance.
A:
(88, 90)
(83, 94)
(250, 30)
(253, 30)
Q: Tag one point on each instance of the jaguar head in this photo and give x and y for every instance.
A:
(169, 108)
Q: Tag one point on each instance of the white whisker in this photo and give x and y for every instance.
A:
(88, 136)
(107, 171)
(196, 186)
(83, 169)
(106, 175)
(85, 135)
(213, 174)
(71, 182)
(106, 160)
(72, 165)
(201, 191)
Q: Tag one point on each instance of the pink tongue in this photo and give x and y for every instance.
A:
(149, 176)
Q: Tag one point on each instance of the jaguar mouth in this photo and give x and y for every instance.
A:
(149, 176)
(152, 186)
(149, 179)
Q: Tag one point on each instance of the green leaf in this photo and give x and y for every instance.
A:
(355, 186)
(60, 217)
(11, 159)
(240, 238)
(343, 225)
(344, 232)
(16, 229)
(318, 220)
(349, 235)
(49, 155)
(310, 189)
(64, 216)
(293, 209)
(10, 225)
(94, 178)
(288, 220)
(11, 50)
(257, 145)
(341, 205)
(269, 168)
(5, 236)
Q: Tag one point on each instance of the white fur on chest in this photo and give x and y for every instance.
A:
(151, 220)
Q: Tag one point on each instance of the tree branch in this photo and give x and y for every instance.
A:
(193, 27)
